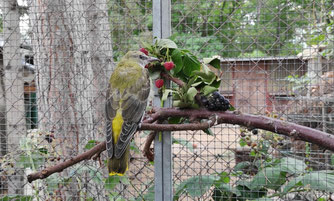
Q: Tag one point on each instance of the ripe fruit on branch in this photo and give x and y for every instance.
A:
(159, 83)
(216, 102)
(143, 50)
(169, 65)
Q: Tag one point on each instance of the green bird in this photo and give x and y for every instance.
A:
(129, 88)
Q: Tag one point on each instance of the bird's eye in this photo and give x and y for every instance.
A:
(141, 57)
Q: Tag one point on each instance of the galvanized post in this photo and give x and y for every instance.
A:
(163, 183)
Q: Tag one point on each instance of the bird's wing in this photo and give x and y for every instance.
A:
(111, 107)
(134, 101)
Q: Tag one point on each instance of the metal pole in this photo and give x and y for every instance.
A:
(163, 183)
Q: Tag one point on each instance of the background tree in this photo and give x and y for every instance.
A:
(12, 94)
(73, 59)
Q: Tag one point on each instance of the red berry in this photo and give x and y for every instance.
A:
(147, 66)
(143, 50)
(159, 83)
(169, 65)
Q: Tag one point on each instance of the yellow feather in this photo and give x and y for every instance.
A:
(117, 123)
(119, 174)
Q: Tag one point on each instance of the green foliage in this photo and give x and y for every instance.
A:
(197, 76)
(149, 195)
(202, 46)
(283, 176)
(195, 186)
(229, 28)
(316, 180)
(111, 182)
(17, 198)
(261, 178)
(90, 144)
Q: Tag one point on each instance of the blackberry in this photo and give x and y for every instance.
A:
(216, 102)
(216, 94)
(255, 131)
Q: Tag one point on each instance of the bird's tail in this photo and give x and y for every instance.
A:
(119, 166)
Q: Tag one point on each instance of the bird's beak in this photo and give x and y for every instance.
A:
(151, 59)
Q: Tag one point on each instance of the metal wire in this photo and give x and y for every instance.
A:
(56, 57)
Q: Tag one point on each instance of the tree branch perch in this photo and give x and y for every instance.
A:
(293, 130)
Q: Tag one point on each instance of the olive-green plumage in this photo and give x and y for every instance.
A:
(129, 88)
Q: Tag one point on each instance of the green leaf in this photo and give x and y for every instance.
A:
(206, 90)
(195, 186)
(208, 131)
(115, 196)
(294, 183)
(176, 95)
(95, 174)
(224, 177)
(216, 83)
(244, 183)
(183, 142)
(125, 180)
(242, 142)
(244, 187)
(36, 158)
(174, 120)
(197, 83)
(215, 62)
(180, 104)
(270, 177)
(147, 46)
(111, 182)
(252, 153)
(165, 94)
(205, 69)
(177, 59)
(318, 180)
(191, 64)
(149, 195)
(90, 144)
(265, 145)
(207, 78)
(52, 182)
(231, 108)
(43, 150)
(166, 43)
(291, 165)
(24, 161)
(242, 166)
(191, 93)
(332, 159)
(225, 192)
(194, 105)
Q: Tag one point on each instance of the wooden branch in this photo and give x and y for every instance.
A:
(292, 130)
(147, 151)
(63, 165)
(173, 79)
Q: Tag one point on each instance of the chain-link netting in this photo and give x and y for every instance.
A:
(276, 60)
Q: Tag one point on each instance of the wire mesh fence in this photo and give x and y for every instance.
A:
(276, 60)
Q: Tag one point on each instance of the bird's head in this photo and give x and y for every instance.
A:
(139, 57)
